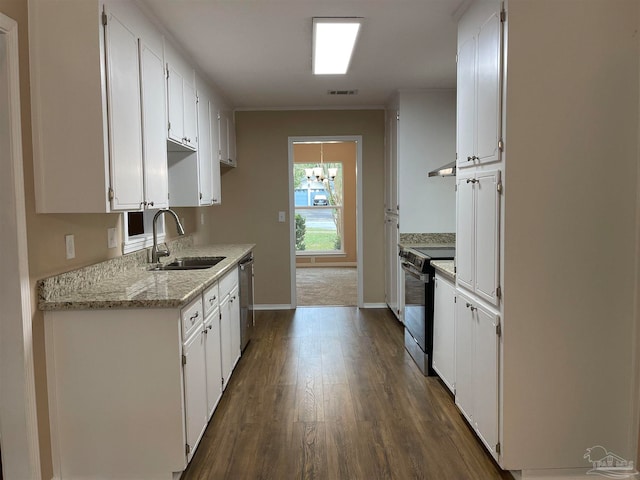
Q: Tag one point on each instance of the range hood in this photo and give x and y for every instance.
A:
(448, 170)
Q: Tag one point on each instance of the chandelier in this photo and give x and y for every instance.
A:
(320, 172)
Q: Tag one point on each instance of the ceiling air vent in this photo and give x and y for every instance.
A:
(342, 92)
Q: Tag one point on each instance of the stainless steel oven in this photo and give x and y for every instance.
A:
(419, 276)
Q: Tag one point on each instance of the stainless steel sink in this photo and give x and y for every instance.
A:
(188, 263)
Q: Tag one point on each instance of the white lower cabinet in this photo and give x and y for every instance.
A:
(444, 330)
(195, 388)
(131, 391)
(477, 348)
(213, 361)
(229, 324)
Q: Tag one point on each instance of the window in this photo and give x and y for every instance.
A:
(318, 200)
(138, 230)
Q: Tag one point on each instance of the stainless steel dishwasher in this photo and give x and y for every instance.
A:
(247, 321)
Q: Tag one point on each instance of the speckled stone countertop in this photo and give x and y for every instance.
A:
(446, 267)
(408, 240)
(126, 282)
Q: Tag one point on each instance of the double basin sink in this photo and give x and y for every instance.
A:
(187, 263)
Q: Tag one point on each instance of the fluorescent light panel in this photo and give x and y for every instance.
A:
(333, 42)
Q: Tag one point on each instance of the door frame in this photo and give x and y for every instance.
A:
(18, 413)
(357, 139)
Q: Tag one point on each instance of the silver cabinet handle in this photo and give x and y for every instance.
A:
(150, 204)
(472, 180)
(194, 316)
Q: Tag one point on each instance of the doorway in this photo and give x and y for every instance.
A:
(325, 198)
(18, 423)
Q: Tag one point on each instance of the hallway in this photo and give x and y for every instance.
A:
(330, 393)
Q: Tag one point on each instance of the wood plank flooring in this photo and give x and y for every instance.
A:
(330, 393)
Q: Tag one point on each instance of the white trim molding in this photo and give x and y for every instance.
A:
(18, 414)
(273, 306)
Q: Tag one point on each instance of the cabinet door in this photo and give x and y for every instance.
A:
(175, 104)
(487, 251)
(125, 129)
(213, 361)
(226, 354)
(465, 215)
(216, 187)
(156, 183)
(190, 116)
(392, 265)
(223, 137)
(391, 186)
(195, 391)
(464, 357)
(486, 367)
(488, 123)
(231, 139)
(234, 317)
(205, 175)
(466, 103)
(444, 330)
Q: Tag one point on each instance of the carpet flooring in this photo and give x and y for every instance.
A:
(327, 286)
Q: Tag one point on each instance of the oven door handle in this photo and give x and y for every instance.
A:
(408, 268)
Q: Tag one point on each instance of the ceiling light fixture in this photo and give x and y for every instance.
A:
(333, 43)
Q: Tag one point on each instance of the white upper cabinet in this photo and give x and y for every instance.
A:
(391, 164)
(156, 187)
(181, 101)
(477, 233)
(194, 177)
(125, 129)
(479, 95)
(226, 138)
(86, 87)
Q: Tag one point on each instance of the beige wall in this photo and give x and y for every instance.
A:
(254, 192)
(345, 153)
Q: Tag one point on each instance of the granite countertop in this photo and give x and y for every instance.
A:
(446, 267)
(126, 282)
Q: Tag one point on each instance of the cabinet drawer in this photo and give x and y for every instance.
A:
(192, 316)
(227, 282)
(210, 299)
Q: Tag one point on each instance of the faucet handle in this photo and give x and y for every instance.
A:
(162, 252)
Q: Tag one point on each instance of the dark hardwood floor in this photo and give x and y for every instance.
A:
(330, 393)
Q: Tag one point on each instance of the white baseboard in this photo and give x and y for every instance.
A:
(555, 474)
(326, 264)
(375, 305)
(273, 306)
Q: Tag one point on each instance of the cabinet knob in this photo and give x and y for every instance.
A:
(209, 327)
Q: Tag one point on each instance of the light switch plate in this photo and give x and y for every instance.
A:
(281, 217)
(70, 246)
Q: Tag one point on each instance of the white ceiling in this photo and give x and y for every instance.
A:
(258, 52)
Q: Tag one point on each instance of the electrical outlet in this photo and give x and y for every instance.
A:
(111, 238)
(70, 246)
(281, 217)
